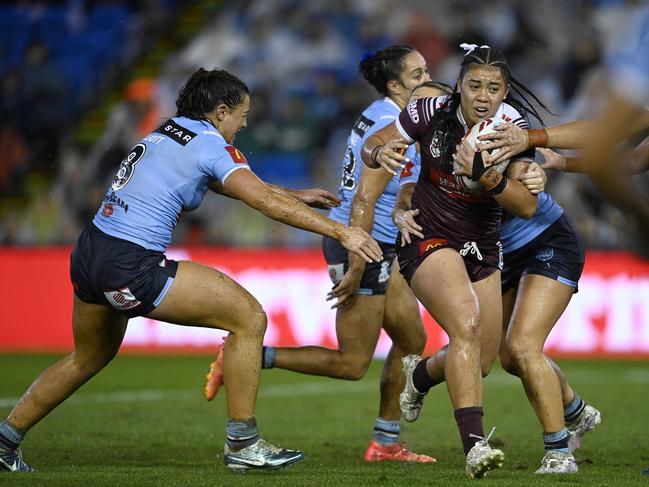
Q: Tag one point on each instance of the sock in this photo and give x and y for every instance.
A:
(268, 357)
(572, 411)
(420, 378)
(10, 436)
(556, 441)
(469, 421)
(386, 432)
(241, 433)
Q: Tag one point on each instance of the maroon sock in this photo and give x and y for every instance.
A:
(469, 421)
(420, 378)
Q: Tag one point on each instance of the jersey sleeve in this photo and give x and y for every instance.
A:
(224, 161)
(414, 119)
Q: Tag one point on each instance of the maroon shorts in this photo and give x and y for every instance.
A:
(481, 258)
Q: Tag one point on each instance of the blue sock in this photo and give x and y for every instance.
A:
(268, 358)
(572, 411)
(241, 433)
(557, 441)
(386, 432)
(10, 436)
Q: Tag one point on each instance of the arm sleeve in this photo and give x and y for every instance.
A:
(224, 161)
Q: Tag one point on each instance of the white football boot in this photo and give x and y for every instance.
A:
(557, 462)
(587, 420)
(482, 458)
(410, 400)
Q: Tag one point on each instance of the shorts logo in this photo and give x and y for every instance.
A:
(108, 210)
(122, 299)
(500, 255)
(431, 245)
(384, 273)
(336, 272)
(471, 248)
(545, 254)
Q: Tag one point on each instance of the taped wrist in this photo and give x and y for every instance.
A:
(375, 154)
(478, 167)
(493, 182)
(537, 137)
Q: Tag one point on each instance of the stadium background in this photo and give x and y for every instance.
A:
(82, 81)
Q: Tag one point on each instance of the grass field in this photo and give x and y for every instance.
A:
(143, 422)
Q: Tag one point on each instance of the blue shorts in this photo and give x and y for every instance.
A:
(557, 253)
(374, 281)
(124, 275)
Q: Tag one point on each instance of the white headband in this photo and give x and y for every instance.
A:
(469, 48)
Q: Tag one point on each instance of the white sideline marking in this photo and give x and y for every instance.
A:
(632, 376)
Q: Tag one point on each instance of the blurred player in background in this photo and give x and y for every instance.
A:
(369, 296)
(450, 251)
(119, 270)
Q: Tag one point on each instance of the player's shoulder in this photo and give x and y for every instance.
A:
(509, 114)
(383, 108)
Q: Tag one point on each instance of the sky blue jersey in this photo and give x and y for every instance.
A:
(379, 114)
(166, 173)
(516, 232)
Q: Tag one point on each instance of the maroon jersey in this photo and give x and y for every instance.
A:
(446, 207)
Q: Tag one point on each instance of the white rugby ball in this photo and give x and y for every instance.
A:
(483, 127)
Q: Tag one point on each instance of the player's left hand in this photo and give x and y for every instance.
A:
(345, 291)
(534, 178)
(318, 198)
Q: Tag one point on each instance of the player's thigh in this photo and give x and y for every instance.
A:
(540, 302)
(358, 325)
(491, 315)
(203, 296)
(402, 318)
(443, 286)
(98, 329)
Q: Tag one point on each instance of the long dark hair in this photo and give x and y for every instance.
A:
(384, 65)
(445, 115)
(204, 90)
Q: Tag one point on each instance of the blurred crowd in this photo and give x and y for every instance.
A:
(300, 60)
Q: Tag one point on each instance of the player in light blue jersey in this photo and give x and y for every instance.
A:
(369, 297)
(119, 270)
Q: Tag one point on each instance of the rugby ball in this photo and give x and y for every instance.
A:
(483, 127)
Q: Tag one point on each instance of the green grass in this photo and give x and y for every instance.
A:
(143, 422)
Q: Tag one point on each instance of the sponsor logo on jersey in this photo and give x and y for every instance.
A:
(431, 244)
(412, 111)
(407, 171)
(236, 154)
(108, 210)
(112, 199)
(122, 299)
(178, 133)
(362, 125)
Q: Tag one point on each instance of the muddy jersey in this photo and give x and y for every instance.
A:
(446, 206)
(166, 173)
(379, 114)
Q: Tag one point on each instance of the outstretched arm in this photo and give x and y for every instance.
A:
(371, 185)
(247, 187)
(314, 197)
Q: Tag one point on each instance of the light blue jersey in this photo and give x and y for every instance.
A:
(375, 117)
(167, 172)
(517, 232)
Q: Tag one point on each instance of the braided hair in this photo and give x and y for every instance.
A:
(204, 90)
(482, 56)
(384, 65)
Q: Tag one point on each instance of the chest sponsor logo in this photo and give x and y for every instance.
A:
(122, 299)
(412, 111)
(176, 132)
(236, 155)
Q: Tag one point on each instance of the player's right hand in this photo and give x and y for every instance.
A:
(345, 290)
(361, 243)
(405, 222)
(391, 156)
(552, 160)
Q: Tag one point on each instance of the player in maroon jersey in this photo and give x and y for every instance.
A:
(453, 262)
